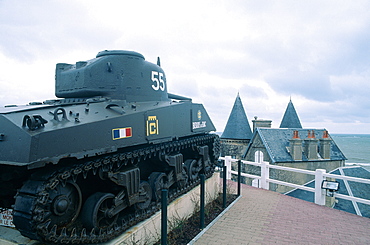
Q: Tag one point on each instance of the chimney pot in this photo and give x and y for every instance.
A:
(325, 134)
(311, 134)
(325, 145)
(295, 134)
(295, 146)
(311, 146)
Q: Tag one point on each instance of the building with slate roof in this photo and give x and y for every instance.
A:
(292, 147)
(351, 188)
(290, 118)
(237, 133)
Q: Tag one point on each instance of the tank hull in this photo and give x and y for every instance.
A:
(91, 129)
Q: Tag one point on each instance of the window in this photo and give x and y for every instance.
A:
(258, 156)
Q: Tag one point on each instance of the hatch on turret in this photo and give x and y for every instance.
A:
(119, 52)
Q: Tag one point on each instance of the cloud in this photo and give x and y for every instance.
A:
(314, 51)
(311, 85)
(38, 29)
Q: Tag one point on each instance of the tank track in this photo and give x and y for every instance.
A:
(33, 216)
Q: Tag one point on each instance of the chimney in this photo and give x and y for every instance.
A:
(295, 146)
(325, 147)
(310, 146)
(260, 123)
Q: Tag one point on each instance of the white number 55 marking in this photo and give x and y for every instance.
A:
(157, 78)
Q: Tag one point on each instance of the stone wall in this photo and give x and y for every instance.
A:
(233, 148)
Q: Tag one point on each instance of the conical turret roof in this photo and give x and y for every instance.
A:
(237, 126)
(290, 118)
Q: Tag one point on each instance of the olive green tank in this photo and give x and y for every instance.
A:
(87, 166)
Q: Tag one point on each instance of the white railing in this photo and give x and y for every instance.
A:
(320, 176)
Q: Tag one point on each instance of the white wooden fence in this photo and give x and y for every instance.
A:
(320, 176)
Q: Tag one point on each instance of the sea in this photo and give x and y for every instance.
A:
(356, 147)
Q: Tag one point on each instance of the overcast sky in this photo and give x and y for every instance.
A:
(315, 52)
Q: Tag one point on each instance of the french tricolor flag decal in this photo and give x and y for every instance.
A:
(120, 133)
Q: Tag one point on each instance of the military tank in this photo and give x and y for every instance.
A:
(85, 167)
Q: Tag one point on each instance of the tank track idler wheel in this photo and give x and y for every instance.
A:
(58, 205)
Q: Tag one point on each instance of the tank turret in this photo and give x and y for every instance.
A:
(118, 74)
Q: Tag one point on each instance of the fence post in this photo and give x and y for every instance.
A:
(239, 176)
(228, 166)
(164, 217)
(202, 200)
(319, 192)
(224, 188)
(265, 175)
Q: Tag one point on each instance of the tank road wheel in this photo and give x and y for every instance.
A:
(182, 182)
(158, 181)
(145, 195)
(95, 212)
(192, 168)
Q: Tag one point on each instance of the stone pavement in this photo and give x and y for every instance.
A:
(267, 217)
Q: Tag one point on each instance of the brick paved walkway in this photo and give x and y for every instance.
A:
(266, 217)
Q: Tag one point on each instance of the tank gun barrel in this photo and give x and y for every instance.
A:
(178, 97)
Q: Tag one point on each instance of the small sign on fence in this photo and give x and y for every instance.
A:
(6, 218)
